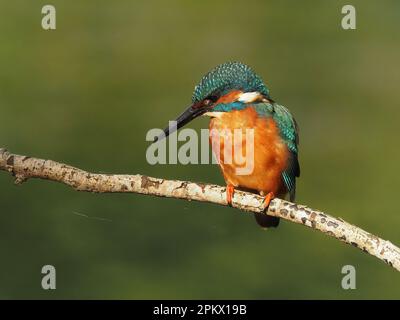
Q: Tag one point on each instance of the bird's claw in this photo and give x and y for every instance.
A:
(267, 199)
(230, 189)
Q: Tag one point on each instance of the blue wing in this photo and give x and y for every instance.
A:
(290, 174)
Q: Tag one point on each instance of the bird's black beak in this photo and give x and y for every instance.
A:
(191, 113)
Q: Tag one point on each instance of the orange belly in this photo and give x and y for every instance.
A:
(268, 160)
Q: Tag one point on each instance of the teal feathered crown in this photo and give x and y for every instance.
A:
(228, 76)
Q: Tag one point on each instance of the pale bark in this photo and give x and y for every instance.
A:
(24, 167)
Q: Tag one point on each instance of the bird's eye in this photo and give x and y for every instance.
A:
(210, 100)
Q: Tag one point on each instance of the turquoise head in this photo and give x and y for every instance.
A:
(227, 77)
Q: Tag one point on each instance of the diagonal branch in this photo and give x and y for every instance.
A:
(23, 168)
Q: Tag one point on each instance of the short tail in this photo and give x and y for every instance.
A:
(266, 221)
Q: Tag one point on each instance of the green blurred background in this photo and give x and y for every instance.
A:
(87, 93)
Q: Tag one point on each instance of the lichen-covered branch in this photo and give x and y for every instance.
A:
(24, 167)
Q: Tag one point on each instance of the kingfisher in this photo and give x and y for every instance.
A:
(236, 98)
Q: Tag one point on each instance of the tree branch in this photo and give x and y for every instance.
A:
(23, 168)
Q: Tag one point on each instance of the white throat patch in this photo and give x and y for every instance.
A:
(213, 114)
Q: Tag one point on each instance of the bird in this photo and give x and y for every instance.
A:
(236, 98)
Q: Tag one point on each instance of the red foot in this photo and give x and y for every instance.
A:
(268, 199)
(230, 189)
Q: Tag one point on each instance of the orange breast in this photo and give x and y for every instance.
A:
(266, 155)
